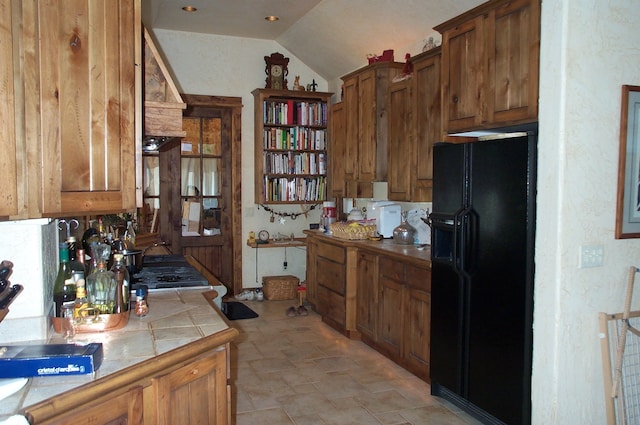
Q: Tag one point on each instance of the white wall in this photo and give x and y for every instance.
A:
(589, 48)
(232, 66)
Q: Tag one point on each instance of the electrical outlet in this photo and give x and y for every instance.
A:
(591, 256)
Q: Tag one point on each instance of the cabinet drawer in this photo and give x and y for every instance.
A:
(331, 305)
(332, 252)
(392, 269)
(330, 275)
(418, 278)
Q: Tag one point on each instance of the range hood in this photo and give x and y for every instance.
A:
(163, 104)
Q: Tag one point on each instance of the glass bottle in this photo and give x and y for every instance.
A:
(122, 277)
(64, 286)
(82, 301)
(130, 234)
(141, 307)
(101, 283)
(74, 263)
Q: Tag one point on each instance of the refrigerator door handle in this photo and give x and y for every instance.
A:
(465, 238)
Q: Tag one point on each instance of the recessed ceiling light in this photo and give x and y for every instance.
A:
(189, 8)
(271, 18)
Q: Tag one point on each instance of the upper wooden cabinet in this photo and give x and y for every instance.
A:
(365, 102)
(490, 66)
(75, 90)
(8, 160)
(414, 126)
(337, 151)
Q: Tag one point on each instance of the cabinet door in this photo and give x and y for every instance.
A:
(367, 124)
(417, 332)
(8, 160)
(367, 294)
(88, 84)
(391, 308)
(463, 74)
(338, 150)
(427, 125)
(123, 409)
(350, 104)
(195, 393)
(400, 142)
(514, 34)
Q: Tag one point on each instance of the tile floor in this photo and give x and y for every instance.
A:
(299, 371)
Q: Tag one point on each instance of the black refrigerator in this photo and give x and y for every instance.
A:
(482, 230)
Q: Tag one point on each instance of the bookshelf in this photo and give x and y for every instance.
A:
(291, 141)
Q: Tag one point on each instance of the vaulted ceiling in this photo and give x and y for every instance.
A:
(332, 37)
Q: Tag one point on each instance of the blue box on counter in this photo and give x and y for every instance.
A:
(24, 361)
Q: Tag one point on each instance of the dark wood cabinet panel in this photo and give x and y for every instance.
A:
(390, 316)
(490, 66)
(367, 295)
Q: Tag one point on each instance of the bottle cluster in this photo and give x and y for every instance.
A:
(90, 287)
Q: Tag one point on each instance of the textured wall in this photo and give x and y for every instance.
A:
(589, 49)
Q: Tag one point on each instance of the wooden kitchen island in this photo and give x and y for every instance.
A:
(377, 291)
(169, 367)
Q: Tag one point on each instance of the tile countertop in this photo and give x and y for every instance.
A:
(407, 253)
(176, 317)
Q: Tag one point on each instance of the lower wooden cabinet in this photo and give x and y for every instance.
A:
(394, 310)
(188, 385)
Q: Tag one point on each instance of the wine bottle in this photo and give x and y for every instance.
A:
(64, 288)
(74, 263)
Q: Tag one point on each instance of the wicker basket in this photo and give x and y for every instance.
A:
(353, 230)
(280, 287)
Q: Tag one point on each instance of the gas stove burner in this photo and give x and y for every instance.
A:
(169, 278)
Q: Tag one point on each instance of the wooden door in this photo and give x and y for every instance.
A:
(195, 393)
(337, 151)
(513, 33)
(367, 124)
(417, 336)
(203, 173)
(400, 142)
(427, 123)
(367, 294)
(88, 71)
(390, 308)
(463, 75)
(8, 159)
(351, 111)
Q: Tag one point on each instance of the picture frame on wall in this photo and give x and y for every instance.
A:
(628, 199)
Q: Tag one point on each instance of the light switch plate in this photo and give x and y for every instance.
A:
(591, 256)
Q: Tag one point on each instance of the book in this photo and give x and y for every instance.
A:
(24, 361)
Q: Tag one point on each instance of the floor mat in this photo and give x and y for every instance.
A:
(236, 311)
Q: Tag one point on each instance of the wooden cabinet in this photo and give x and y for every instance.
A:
(78, 122)
(331, 279)
(337, 151)
(366, 120)
(490, 65)
(367, 295)
(391, 309)
(291, 140)
(401, 141)
(187, 385)
(8, 140)
(417, 329)
(414, 127)
(195, 393)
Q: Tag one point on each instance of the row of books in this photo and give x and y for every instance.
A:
(295, 163)
(292, 112)
(299, 189)
(295, 138)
